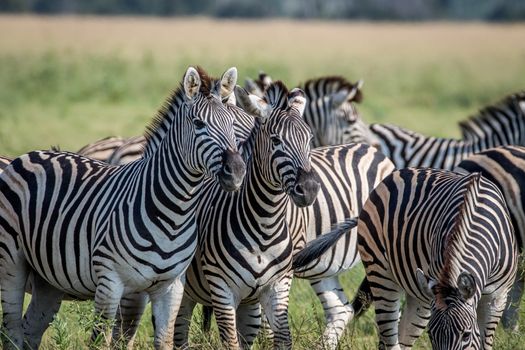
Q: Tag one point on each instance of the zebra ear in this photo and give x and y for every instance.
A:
(252, 87)
(297, 99)
(466, 285)
(192, 83)
(425, 284)
(342, 96)
(228, 81)
(252, 104)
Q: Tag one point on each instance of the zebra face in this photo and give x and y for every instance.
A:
(454, 327)
(289, 150)
(212, 149)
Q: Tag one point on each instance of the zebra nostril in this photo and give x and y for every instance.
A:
(227, 169)
(299, 190)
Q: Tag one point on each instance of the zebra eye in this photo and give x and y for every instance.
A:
(199, 124)
(276, 141)
(466, 336)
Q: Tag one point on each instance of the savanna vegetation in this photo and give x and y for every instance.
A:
(66, 81)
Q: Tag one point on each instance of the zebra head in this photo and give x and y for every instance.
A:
(453, 320)
(212, 148)
(283, 141)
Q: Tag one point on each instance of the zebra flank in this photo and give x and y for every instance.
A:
(90, 230)
(446, 241)
(505, 167)
(245, 247)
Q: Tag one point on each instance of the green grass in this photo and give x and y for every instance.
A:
(423, 77)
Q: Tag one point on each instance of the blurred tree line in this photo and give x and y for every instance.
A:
(491, 10)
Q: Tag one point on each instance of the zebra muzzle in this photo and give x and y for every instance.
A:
(232, 171)
(305, 190)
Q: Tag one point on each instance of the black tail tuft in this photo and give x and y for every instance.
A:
(362, 299)
(207, 313)
(321, 244)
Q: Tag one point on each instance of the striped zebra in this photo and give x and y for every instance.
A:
(505, 167)
(102, 149)
(446, 241)
(331, 111)
(89, 230)
(498, 125)
(245, 247)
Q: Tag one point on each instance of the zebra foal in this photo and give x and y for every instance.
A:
(446, 241)
(88, 230)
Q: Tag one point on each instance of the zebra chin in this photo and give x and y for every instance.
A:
(232, 171)
(306, 187)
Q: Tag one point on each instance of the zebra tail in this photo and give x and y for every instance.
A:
(314, 249)
(362, 299)
(207, 313)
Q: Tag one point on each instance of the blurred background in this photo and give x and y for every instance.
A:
(74, 71)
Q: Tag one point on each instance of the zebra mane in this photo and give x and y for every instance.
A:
(163, 119)
(454, 245)
(487, 113)
(328, 85)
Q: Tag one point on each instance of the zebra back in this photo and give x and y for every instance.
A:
(102, 149)
(498, 125)
(4, 162)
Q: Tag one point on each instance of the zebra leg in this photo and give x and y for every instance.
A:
(165, 304)
(338, 311)
(45, 303)
(413, 321)
(386, 295)
(182, 323)
(511, 315)
(128, 318)
(490, 308)
(13, 274)
(107, 298)
(275, 305)
(248, 323)
(225, 304)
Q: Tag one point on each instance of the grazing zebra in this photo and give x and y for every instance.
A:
(245, 247)
(505, 167)
(498, 125)
(90, 230)
(102, 149)
(446, 240)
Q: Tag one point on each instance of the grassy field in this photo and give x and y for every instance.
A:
(67, 81)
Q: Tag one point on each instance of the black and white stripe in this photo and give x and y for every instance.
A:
(505, 167)
(102, 149)
(446, 241)
(90, 230)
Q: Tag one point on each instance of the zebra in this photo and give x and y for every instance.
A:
(331, 111)
(504, 166)
(102, 149)
(446, 240)
(498, 125)
(245, 247)
(90, 230)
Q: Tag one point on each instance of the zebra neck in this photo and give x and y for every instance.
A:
(266, 202)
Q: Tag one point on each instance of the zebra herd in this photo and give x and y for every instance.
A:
(231, 193)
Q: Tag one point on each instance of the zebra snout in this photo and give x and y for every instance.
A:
(232, 171)
(306, 188)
